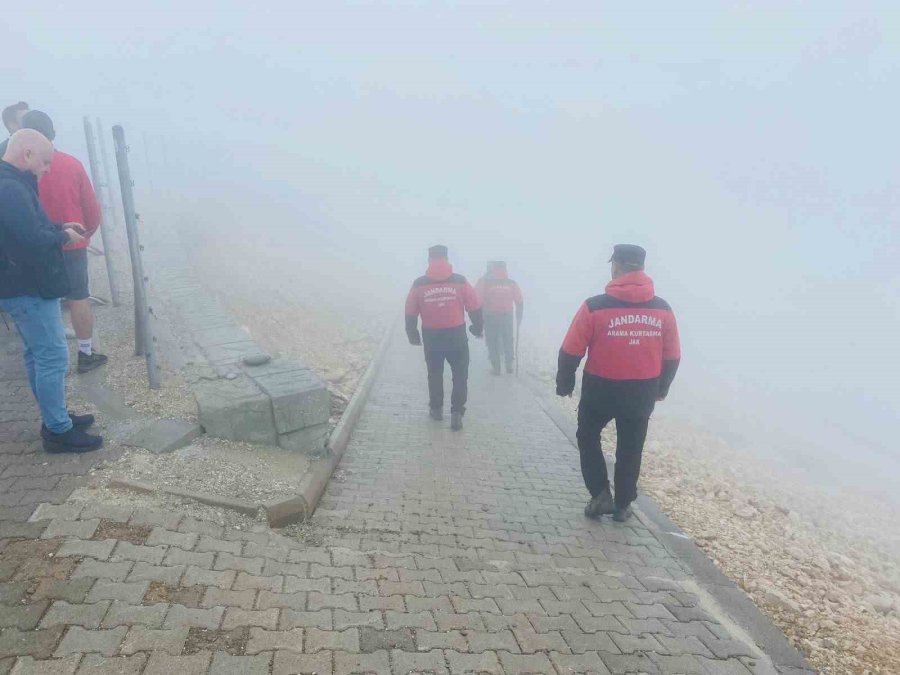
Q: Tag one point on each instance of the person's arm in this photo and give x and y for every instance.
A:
(473, 306)
(412, 317)
(90, 207)
(479, 290)
(671, 355)
(25, 224)
(576, 343)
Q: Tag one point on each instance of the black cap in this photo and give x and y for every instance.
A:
(39, 121)
(629, 255)
(439, 251)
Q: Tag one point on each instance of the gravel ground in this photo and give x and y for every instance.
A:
(126, 373)
(254, 473)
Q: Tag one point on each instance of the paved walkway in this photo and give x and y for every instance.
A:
(442, 552)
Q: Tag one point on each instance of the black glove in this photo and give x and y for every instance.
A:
(477, 332)
(415, 339)
(564, 391)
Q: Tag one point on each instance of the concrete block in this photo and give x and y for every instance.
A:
(299, 398)
(212, 334)
(163, 435)
(235, 410)
(310, 440)
(229, 354)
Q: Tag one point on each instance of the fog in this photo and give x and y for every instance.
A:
(750, 147)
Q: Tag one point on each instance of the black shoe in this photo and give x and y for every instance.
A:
(456, 421)
(73, 440)
(437, 414)
(509, 370)
(88, 363)
(622, 513)
(81, 421)
(496, 370)
(600, 505)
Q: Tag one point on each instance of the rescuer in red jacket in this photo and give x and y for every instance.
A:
(67, 196)
(631, 339)
(499, 296)
(442, 298)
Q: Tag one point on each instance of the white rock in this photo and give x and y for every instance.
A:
(883, 604)
(776, 598)
(746, 512)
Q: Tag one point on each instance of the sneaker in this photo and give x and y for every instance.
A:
(436, 414)
(73, 440)
(622, 513)
(600, 505)
(88, 363)
(456, 421)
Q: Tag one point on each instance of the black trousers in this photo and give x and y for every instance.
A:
(631, 433)
(458, 359)
(498, 333)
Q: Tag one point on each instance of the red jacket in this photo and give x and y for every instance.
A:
(498, 293)
(67, 196)
(442, 299)
(630, 336)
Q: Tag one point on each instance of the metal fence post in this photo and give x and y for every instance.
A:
(104, 206)
(143, 337)
(107, 179)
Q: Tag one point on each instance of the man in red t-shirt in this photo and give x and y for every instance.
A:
(631, 339)
(442, 299)
(67, 196)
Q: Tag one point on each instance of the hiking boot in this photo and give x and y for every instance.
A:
(87, 363)
(73, 440)
(436, 414)
(622, 513)
(600, 505)
(456, 421)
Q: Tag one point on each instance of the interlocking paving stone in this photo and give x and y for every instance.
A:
(462, 551)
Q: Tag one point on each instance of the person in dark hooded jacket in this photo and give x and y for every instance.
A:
(442, 299)
(631, 339)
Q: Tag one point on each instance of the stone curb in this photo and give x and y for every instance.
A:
(730, 598)
(247, 508)
(300, 507)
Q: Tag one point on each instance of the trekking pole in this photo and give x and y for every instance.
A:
(518, 328)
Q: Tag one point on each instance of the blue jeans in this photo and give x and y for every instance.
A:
(39, 322)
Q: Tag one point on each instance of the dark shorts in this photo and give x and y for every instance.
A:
(77, 269)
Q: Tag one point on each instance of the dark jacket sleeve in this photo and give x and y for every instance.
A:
(565, 373)
(477, 318)
(670, 367)
(22, 222)
(575, 344)
(472, 303)
(671, 354)
(412, 317)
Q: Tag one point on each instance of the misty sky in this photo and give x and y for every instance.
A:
(749, 146)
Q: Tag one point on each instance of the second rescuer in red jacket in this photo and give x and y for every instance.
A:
(631, 339)
(442, 298)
